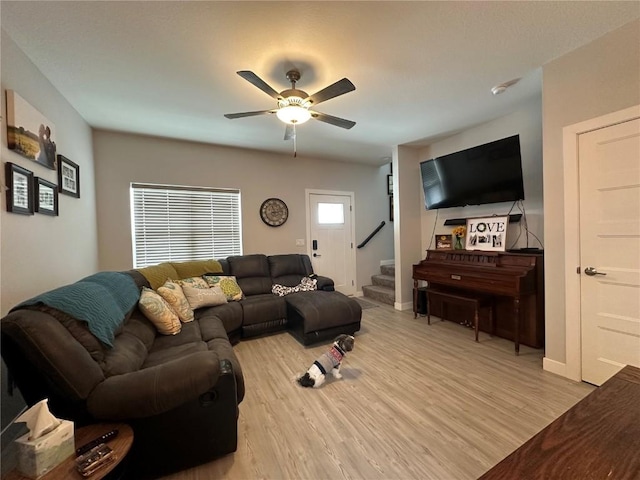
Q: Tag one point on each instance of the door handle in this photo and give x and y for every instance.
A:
(591, 271)
(316, 255)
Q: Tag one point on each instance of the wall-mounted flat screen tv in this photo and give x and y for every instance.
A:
(488, 173)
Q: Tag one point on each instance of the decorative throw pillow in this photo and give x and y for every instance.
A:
(159, 312)
(199, 297)
(195, 282)
(228, 285)
(307, 284)
(174, 296)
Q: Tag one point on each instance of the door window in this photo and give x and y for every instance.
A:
(330, 213)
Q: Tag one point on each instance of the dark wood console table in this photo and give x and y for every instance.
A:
(514, 279)
(599, 438)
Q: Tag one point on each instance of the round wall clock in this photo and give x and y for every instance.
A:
(274, 212)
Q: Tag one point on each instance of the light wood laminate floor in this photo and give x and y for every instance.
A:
(416, 402)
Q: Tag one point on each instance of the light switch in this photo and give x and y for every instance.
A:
(300, 242)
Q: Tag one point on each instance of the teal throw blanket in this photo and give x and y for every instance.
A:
(102, 300)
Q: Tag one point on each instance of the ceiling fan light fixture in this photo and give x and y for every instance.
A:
(293, 114)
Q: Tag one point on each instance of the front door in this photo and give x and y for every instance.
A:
(609, 162)
(331, 242)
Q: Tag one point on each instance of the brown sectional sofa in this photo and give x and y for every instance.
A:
(180, 393)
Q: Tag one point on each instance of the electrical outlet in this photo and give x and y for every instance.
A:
(300, 242)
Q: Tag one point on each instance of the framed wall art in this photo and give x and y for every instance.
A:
(391, 208)
(29, 133)
(19, 189)
(389, 184)
(68, 177)
(487, 233)
(46, 197)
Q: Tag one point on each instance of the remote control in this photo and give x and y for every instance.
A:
(93, 443)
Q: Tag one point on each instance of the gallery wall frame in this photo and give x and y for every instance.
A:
(46, 197)
(487, 233)
(29, 132)
(389, 184)
(68, 177)
(19, 182)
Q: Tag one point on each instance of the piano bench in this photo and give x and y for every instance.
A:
(477, 301)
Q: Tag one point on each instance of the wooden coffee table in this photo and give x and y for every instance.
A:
(121, 445)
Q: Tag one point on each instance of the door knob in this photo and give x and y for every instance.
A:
(316, 255)
(591, 271)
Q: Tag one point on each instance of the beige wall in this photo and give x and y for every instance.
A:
(41, 252)
(124, 158)
(596, 79)
(526, 121)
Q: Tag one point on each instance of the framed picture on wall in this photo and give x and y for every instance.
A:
(68, 177)
(19, 189)
(391, 208)
(29, 132)
(46, 197)
(389, 184)
(487, 233)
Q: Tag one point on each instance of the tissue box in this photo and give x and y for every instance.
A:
(40, 456)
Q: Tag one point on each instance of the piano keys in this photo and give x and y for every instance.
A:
(515, 280)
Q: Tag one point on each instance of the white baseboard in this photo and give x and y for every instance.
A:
(387, 262)
(403, 306)
(554, 366)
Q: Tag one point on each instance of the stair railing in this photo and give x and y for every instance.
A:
(372, 234)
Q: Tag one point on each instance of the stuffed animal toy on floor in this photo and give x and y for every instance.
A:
(328, 362)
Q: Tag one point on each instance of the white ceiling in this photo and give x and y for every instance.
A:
(422, 70)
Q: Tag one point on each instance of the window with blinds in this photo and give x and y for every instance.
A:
(173, 223)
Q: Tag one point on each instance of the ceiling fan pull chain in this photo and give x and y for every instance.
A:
(295, 142)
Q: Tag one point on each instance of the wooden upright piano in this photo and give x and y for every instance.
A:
(515, 281)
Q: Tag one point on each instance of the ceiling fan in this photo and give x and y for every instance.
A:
(294, 105)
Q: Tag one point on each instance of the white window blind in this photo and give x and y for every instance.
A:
(173, 223)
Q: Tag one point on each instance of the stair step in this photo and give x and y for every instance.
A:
(381, 294)
(384, 281)
(388, 270)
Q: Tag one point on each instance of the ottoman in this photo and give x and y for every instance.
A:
(319, 315)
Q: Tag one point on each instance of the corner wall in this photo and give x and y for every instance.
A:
(40, 252)
(599, 78)
(125, 158)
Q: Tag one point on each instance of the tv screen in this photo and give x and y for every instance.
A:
(488, 173)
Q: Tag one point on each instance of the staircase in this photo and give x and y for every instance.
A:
(383, 289)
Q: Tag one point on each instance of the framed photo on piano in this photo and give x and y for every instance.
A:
(444, 242)
(487, 233)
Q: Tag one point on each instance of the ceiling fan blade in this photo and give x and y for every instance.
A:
(247, 114)
(290, 132)
(339, 88)
(337, 121)
(252, 78)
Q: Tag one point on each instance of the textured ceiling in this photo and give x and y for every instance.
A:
(422, 70)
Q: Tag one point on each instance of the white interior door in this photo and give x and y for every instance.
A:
(331, 242)
(609, 162)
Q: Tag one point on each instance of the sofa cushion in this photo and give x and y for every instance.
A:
(158, 311)
(170, 354)
(263, 308)
(156, 275)
(230, 314)
(196, 268)
(190, 333)
(130, 347)
(227, 284)
(174, 296)
(252, 273)
(289, 269)
(211, 327)
(199, 297)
